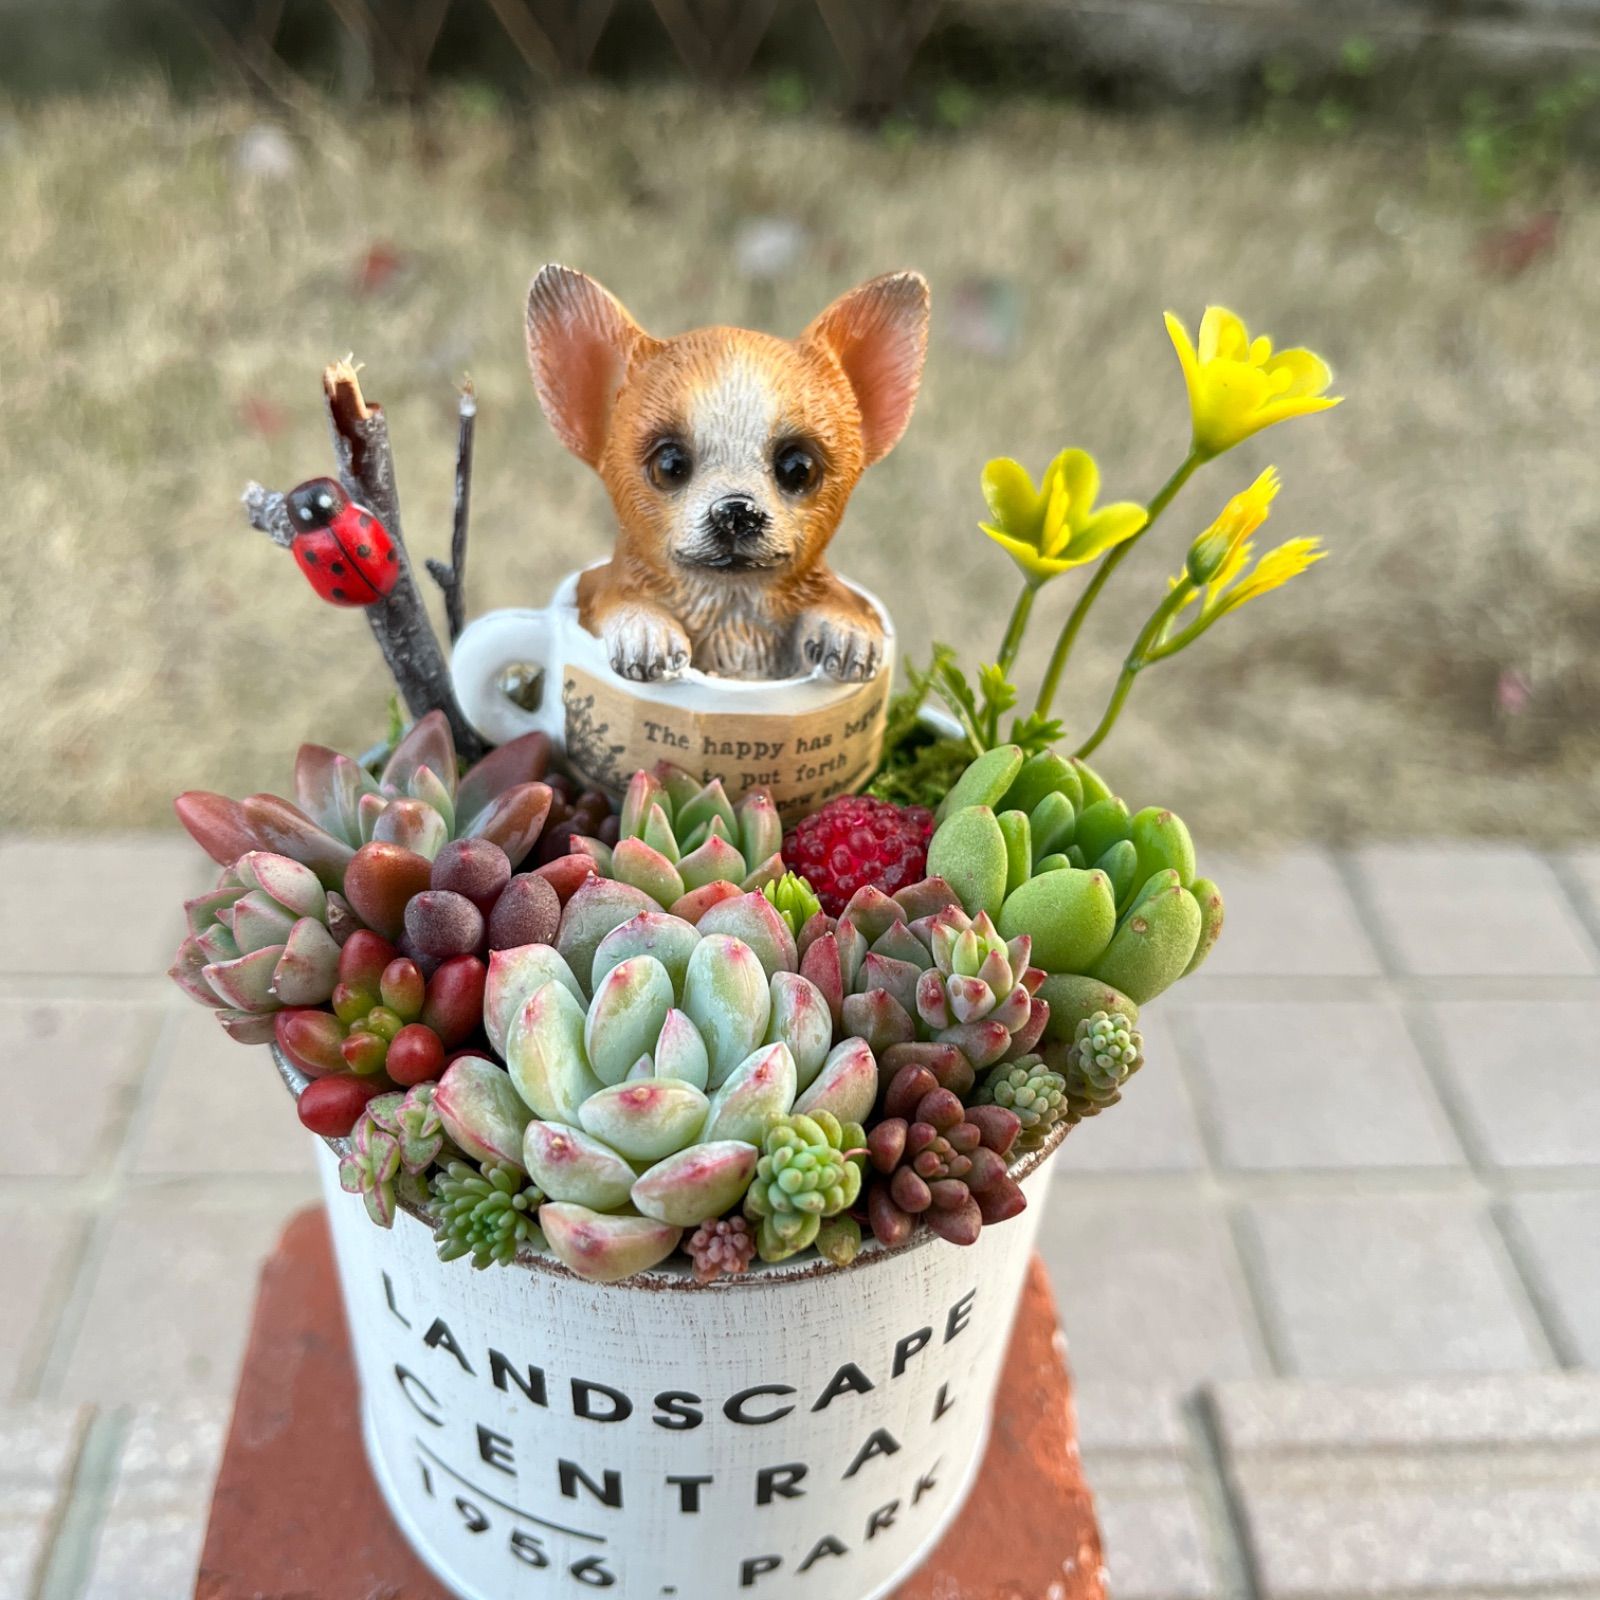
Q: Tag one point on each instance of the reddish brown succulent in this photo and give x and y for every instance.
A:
(944, 1165)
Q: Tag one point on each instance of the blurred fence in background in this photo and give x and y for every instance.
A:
(865, 54)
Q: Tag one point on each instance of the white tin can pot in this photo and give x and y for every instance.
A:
(536, 1434)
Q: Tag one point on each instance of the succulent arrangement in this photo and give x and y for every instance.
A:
(543, 1023)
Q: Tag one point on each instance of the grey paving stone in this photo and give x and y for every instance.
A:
(1318, 1085)
(1153, 1128)
(1556, 1237)
(204, 1080)
(1526, 1075)
(1584, 867)
(1389, 1286)
(1147, 1289)
(73, 1071)
(1120, 1417)
(96, 904)
(1288, 915)
(169, 1301)
(1274, 1416)
(39, 1447)
(39, 1248)
(149, 1544)
(1154, 1543)
(1400, 1538)
(1465, 910)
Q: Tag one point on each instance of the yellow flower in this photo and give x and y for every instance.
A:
(1237, 385)
(1054, 527)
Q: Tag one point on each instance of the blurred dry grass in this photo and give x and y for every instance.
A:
(165, 322)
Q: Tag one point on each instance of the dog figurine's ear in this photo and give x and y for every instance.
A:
(879, 334)
(580, 341)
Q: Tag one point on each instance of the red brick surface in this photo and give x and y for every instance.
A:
(296, 1515)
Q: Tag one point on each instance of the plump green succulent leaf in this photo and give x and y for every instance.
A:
(571, 1165)
(1051, 824)
(1121, 865)
(645, 1119)
(545, 1056)
(754, 919)
(758, 1091)
(1209, 898)
(670, 940)
(637, 863)
(985, 782)
(1071, 915)
(605, 1249)
(968, 851)
(481, 1110)
(847, 1085)
(696, 1184)
(1100, 826)
(1162, 841)
(712, 862)
(630, 1004)
(514, 976)
(726, 995)
(802, 1021)
(1041, 774)
(1018, 835)
(597, 906)
(680, 1052)
(1071, 997)
(1153, 946)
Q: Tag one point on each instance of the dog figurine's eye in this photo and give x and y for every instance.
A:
(670, 465)
(795, 468)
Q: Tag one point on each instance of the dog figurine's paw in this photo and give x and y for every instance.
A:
(846, 647)
(645, 645)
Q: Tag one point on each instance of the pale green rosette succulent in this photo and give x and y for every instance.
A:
(638, 1097)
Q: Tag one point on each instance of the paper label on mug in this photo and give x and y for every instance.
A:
(805, 759)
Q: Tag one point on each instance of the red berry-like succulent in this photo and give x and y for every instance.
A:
(858, 842)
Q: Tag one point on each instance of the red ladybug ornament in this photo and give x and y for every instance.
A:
(344, 551)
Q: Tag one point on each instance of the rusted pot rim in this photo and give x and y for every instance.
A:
(679, 1279)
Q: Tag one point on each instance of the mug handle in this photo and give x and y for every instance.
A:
(488, 646)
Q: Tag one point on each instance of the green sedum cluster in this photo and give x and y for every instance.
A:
(488, 1213)
(1105, 1052)
(810, 1169)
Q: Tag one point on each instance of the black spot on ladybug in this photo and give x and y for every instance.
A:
(363, 549)
(364, 521)
(338, 593)
(390, 556)
(337, 567)
(311, 558)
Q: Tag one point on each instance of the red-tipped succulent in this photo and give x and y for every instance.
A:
(945, 1165)
(417, 803)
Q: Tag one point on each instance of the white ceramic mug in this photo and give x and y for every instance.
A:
(806, 738)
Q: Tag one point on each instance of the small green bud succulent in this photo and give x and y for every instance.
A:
(810, 1168)
(793, 900)
(488, 1213)
(1105, 1052)
(1032, 1090)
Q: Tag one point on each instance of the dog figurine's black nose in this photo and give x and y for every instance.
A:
(736, 517)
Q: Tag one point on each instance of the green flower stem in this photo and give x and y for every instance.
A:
(1010, 645)
(1138, 659)
(1075, 620)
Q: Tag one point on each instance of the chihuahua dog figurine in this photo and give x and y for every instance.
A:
(729, 456)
